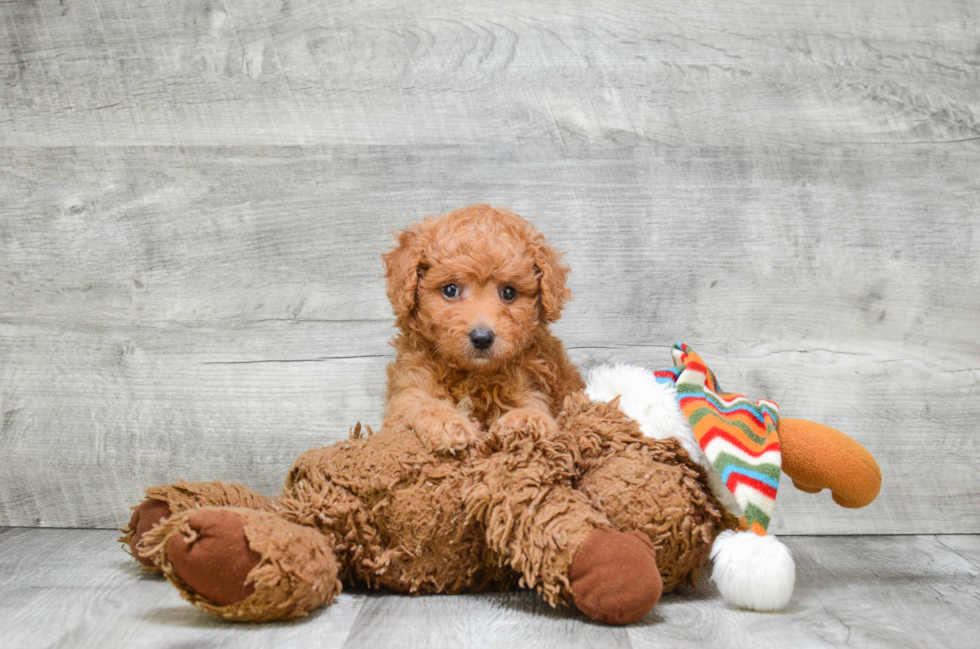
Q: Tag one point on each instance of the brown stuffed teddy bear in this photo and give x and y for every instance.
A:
(492, 469)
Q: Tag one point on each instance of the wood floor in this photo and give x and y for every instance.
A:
(61, 587)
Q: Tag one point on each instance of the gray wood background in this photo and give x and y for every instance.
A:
(194, 197)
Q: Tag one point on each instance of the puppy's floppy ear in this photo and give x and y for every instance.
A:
(552, 275)
(403, 264)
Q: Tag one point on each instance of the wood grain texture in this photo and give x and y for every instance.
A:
(677, 73)
(194, 197)
(204, 313)
(77, 588)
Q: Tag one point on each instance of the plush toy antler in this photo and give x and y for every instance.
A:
(743, 446)
(819, 457)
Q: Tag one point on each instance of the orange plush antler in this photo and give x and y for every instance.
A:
(819, 457)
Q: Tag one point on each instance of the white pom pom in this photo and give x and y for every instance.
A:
(752, 571)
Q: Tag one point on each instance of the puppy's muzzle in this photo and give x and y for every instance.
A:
(481, 338)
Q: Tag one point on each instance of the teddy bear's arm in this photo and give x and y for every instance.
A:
(819, 457)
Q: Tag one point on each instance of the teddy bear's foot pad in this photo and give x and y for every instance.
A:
(145, 517)
(215, 560)
(245, 565)
(614, 576)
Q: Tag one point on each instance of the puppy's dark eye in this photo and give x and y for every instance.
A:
(450, 291)
(508, 293)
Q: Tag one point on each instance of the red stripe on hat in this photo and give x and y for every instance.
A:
(697, 367)
(697, 397)
(735, 479)
(717, 432)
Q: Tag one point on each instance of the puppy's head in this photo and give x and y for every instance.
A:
(476, 283)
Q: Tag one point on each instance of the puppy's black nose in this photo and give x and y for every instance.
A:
(481, 338)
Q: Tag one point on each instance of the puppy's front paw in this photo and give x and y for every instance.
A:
(446, 432)
(525, 421)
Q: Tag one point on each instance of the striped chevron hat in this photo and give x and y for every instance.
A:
(739, 441)
(738, 436)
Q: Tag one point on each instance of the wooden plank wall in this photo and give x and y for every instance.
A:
(194, 196)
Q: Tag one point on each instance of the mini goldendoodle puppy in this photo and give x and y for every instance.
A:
(473, 293)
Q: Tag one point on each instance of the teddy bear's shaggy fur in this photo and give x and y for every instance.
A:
(492, 468)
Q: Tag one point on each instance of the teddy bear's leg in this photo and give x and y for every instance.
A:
(646, 485)
(640, 489)
(313, 499)
(396, 511)
(164, 500)
(552, 535)
(244, 564)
